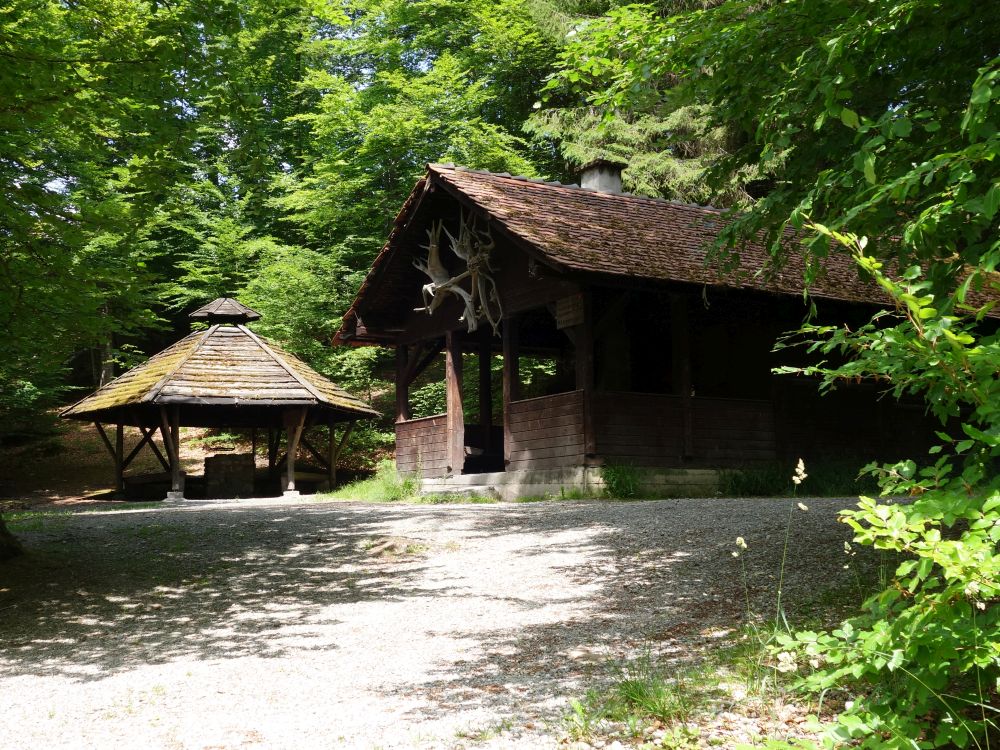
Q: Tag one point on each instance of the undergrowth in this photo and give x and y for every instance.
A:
(641, 695)
(388, 486)
(826, 479)
(621, 481)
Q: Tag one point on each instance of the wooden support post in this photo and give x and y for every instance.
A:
(681, 358)
(170, 430)
(403, 412)
(253, 445)
(486, 391)
(456, 416)
(294, 421)
(331, 460)
(511, 379)
(175, 431)
(272, 450)
(120, 458)
(336, 448)
(584, 340)
(117, 453)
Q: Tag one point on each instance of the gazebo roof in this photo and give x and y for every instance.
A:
(225, 309)
(225, 375)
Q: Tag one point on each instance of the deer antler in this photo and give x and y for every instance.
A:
(472, 246)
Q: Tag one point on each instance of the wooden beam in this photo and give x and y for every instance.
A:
(403, 412)
(104, 438)
(486, 391)
(169, 434)
(417, 366)
(315, 453)
(511, 379)
(120, 457)
(455, 414)
(116, 452)
(585, 371)
(343, 438)
(147, 439)
(295, 420)
(680, 355)
(336, 448)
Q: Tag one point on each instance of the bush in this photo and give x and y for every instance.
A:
(920, 666)
(621, 481)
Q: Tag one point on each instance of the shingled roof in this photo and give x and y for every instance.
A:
(582, 231)
(224, 365)
(225, 308)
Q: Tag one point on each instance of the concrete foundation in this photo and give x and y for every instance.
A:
(511, 485)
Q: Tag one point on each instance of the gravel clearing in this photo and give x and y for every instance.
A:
(276, 624)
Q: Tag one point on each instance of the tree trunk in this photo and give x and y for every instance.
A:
(9, 546)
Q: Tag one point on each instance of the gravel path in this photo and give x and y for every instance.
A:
(313, 625)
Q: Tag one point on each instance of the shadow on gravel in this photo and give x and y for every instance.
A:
(107, 592)
(672, 590)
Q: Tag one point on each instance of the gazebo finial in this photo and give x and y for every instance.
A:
(225, 310)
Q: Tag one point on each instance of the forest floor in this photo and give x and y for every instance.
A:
(279, 624)
(72, 467)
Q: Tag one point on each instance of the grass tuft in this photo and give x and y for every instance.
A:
(387, 486)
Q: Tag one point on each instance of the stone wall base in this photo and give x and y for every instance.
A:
(583, 480)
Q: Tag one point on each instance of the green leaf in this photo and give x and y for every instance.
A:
(902, 127)
(850, 118)
(869, 168)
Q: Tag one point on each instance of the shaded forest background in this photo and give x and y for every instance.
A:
(154, 155)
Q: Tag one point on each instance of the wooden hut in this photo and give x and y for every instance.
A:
(654, 357)
(224, 375)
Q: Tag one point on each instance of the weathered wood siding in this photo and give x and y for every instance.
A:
(653, 430)
(729, 431)
(422, 446)
(851, 422)
(547, 431)
(638, 428)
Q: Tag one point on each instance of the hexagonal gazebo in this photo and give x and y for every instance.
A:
(222, 376)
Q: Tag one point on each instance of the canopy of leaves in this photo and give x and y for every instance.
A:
(155, 156)
(873, 117)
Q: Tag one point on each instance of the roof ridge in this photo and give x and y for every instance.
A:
(155, 390)
(281, 363)
(575, 186)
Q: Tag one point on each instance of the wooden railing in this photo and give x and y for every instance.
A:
(649, 429)
(422, 446)
(546, 432)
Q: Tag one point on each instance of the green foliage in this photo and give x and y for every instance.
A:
(388, 486)
(877, 117)
(621, 481)
(826, 479)
(641, 694)
(385, 487)
(874, 116)
(429, 399)
(923, 658)
(155, 156)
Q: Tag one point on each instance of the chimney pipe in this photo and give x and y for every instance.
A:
(602, 175)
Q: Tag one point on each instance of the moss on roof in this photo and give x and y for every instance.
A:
(225, 365)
